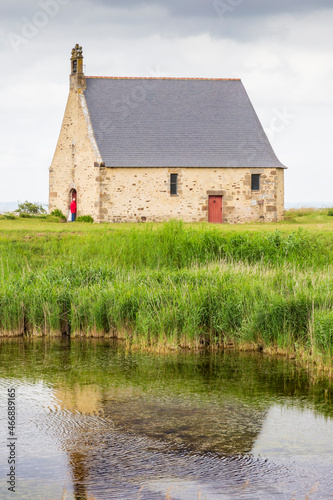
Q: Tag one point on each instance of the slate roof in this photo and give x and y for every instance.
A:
(172, 122)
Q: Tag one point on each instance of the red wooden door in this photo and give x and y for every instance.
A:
(215, 209)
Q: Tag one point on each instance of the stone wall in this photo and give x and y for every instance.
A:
(143, 194)
(74, 159)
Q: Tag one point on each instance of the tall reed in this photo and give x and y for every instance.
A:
(172, 285)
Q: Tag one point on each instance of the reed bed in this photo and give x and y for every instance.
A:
(171, 245)
(171, 286)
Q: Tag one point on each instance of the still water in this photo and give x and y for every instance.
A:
(96, 421)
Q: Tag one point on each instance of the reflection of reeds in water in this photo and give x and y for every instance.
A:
(245, 485)
(199, 494)
(89, 497)
(308, 495)
(168, 494)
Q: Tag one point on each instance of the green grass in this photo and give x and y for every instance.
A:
(172, 284)
(313, 219)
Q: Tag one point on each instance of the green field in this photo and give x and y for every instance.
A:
(312, 219)
(173, 285)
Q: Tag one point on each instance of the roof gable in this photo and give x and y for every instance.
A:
(169, 122)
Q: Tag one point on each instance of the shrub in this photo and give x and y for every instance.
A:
(9, 216)
(58, 213)
(84, 218)
(26, 216)
(31, 208)
(53, 218)
(330, 212)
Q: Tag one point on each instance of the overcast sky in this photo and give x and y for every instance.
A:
(281, 49)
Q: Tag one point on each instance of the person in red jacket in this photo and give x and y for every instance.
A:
(73, 209)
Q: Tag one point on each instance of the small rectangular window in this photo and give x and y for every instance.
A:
(173, 183)
(255, 182)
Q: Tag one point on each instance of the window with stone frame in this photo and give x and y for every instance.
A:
(255, 182)
(173, 183)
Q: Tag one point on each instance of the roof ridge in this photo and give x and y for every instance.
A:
(163, 78)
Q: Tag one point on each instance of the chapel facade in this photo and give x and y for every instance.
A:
(154, 149)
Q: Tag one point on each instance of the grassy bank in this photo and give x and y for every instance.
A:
(171, 284)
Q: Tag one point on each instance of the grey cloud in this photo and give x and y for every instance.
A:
(19, 9)
(181, 8)
(207, 8)
(243, 20)
(235, 19)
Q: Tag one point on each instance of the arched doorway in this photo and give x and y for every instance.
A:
(72, 196)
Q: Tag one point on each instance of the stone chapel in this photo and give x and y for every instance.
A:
(153, 149)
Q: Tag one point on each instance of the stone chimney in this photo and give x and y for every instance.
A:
(77, 78)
